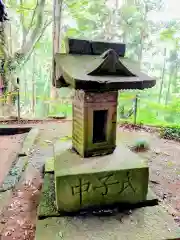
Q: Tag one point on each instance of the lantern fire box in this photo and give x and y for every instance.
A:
(94, 122)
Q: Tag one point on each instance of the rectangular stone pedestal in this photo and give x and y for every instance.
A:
(82, 183)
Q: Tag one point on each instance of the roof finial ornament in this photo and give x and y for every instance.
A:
(111, 65)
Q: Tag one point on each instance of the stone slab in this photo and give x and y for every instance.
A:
(150, 223)
(47, 206)
(81, 183)
(29, 141)
(4, 197)
(4, 201)
(14, 174)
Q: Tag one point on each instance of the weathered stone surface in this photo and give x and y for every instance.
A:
(4, 198)
(91, 182)
(60, 146)
(4, 201)
(14, 174)
(80, 46)
(100, 47)
(47, 206)
(148, 223)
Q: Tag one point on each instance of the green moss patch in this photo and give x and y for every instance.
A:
(47, 206)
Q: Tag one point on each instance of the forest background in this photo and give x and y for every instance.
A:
(150, 29)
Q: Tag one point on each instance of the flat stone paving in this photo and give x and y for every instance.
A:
(150, 223)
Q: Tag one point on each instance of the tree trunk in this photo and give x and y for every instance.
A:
(162, 76)
(25, 86)
(11, 88)
(30, 38)
(57, 8)
(33, 86)
(2, 74)
(169, 86)
(1, 96)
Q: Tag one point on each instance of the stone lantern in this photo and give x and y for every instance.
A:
(94, 171)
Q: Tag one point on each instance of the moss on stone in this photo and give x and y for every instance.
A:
(47, 202)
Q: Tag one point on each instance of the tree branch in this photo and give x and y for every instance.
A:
(47, 23)
(22, 23)
(39, 13)
(33, 16)
(13, 62)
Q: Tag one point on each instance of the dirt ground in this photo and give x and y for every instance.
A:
(9, 147)
(19, 218)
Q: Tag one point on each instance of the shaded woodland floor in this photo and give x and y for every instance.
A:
(19, 218)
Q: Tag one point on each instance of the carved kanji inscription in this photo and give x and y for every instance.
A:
(106, 182)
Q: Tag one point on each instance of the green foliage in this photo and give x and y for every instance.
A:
(145, 41)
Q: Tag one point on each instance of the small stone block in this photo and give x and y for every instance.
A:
(78, 46)
(29, 141)
(49, 165)
(60, 146)
(121, 177)
(99, 48)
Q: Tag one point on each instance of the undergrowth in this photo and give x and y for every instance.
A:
(172, 133)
